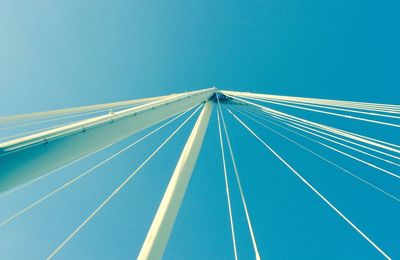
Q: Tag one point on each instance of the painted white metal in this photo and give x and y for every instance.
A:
(73, 110)
(27, 158)
(160, 230)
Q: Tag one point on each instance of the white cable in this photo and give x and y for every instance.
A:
(119, 187)
(327, 131)
(330, 129)
(329, 113)
(329, 107)
(318, 155)
(253, 238)
(341, 152)
(343, 139)
(301, 125)
(348, 155)
(387, 108)
(373, 139)
(312, 188)
(227, 189)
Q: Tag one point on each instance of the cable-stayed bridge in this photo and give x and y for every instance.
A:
(75, 134)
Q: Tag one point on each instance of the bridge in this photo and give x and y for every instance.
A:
(29, 157)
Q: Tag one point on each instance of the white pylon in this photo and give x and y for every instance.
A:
(160, 230)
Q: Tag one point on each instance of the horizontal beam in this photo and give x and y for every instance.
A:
(27, 158)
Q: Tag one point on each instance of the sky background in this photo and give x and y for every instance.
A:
(72, 53)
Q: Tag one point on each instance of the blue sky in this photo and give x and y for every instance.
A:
(70, 53)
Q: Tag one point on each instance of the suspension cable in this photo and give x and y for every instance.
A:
(329, 113)
(253, 239)
(386, 108)
(303, 129)
(315, 129)
(279, 102)
(227, 188)
(311, 187)
(331, 129)
(339, 151)
(318, 155)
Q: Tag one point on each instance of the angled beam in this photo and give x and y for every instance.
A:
(74, 110)
(27, 158)
(160, 230)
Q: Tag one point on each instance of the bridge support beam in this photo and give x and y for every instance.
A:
(160, 230)
(28, 158)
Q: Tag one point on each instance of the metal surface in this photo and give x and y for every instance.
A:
(160, 230)
(27, 158)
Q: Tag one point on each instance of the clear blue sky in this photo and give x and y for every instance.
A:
(70, 53)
